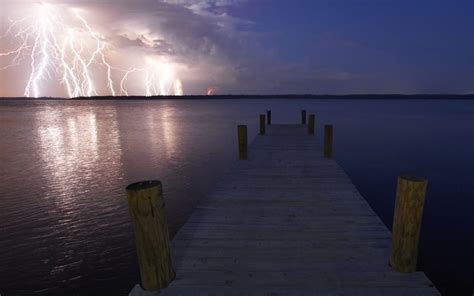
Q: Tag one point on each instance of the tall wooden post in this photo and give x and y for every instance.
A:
(328, 141)
(242, 138)
(311, 123)
(407, 223)
(147, 209)
(303, 116)
(269, 117)
(262, 124)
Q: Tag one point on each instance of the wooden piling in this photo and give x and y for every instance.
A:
(262, 124)
(287, 198)
(269, 117)
(242, 139)
(311, 120)
(147, 209)
(407, 223)
(303, 116)
(328, 141)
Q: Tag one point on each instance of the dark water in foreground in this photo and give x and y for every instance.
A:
(64, 222)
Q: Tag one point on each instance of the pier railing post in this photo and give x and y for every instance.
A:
(407, 223)
(146, 205)
(269, 117)
(303, 116)
(242, 139)
(328, 141)
(311, 119)
(262, 124)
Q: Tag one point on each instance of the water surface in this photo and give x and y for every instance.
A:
(64, 166)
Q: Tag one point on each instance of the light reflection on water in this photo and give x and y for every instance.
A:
(169, 131)
(74, 162)
(68, 163)
(64, 219)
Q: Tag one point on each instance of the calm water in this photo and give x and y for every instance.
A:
(64, 222)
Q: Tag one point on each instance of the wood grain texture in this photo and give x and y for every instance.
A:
(311, 123)
(242, 141)
(303, 116)
(262, 124)
(287, 222)
(147, 210)
(407, 223)
(327, 141)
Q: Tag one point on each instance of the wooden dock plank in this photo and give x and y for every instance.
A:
(287, 222)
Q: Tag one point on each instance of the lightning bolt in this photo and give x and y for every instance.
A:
(72, 51)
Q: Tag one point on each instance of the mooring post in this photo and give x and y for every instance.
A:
(147, 209)
(262, 124)
(269, 117)
(242, 139)
(409, 203)
(328, 140)
(311, 120)
(303, 116)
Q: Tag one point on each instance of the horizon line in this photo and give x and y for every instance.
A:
(246, 96)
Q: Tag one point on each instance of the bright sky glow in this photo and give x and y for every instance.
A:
(69, 48)
(63, 50)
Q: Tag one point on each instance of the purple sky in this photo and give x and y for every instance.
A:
(245, 47)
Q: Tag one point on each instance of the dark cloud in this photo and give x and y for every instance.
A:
(315, 48)
(185, 30)
(211, 47)
(159, 46)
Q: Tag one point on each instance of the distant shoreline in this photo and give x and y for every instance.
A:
(290, 96)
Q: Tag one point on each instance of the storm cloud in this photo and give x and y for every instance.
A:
(239, 46)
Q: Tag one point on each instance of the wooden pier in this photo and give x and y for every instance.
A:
(287, 221)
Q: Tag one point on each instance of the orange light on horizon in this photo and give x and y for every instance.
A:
(211, 90)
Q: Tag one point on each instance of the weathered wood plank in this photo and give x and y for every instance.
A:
(287, 221)
(229, 290)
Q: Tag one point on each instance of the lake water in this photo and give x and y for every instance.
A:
(64, 166)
